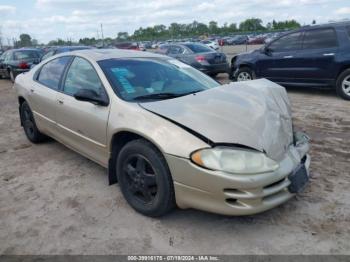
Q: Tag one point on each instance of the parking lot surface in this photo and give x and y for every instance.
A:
(55, 201)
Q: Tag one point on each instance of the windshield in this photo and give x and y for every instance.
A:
(135, 78)
(197, 48)
(25, 54)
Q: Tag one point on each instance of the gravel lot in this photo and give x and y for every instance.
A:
(54, 201)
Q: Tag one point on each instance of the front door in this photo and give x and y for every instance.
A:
(83, 125)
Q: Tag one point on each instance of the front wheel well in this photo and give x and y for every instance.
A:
(21, 100)
(119, 140)
(341, 70)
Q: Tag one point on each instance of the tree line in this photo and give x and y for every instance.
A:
(176, 31)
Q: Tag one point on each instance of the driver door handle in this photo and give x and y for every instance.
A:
(288, 56)
(32, 90)
(328, 54)
(60, 101)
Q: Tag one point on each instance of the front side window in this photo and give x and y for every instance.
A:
(48, 54)
(320, 38)
(7, 56)
(138, 77)
(82, 75)
(51, 73)
(286, 43)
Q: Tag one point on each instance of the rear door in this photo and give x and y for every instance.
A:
(43, 93)
(316, 58)
(83, 125)
(279, 62)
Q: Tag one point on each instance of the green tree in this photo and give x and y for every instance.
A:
(24, 40)
(251, 24)
(123, 36)
(213, 27)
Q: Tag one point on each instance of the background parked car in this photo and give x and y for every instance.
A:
(256, 40)
(16, 61)
(212, 44)
(199, 56)
(61, 49)
(128, 45)
(238, 40)
(313, 56)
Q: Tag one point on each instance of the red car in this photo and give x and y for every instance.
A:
(128, 45)
(256, 41)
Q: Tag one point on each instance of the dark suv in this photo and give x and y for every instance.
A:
(317, 56)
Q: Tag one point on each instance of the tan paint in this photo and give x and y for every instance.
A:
(88, 129)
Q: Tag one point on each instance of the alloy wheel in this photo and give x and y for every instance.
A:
(141, 179)
(346, 85)
(244, 76)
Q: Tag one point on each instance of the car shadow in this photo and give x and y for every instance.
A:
(312, 91)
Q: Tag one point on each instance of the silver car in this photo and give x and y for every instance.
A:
(169, 134)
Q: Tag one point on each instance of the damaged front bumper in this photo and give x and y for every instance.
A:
(235, 194)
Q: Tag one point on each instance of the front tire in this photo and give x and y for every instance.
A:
(12, 76)
(244, 74)
(32, 132)
(343, 85)
(145, 179)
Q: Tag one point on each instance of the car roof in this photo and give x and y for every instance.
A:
(24, 49)
(331, 24)
(103, 54)
(72, 47)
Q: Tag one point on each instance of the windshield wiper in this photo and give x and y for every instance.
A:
(163, 95)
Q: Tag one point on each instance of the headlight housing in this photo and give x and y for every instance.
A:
(234, 160)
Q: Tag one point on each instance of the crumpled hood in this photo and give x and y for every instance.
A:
(255, 114)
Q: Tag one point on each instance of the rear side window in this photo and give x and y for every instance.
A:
(197, 48)
(287, 43)
(52, 71)
(320, 38)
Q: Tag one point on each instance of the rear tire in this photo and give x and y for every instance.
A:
(343, 85)
(245, 74)
(144, 178)
(32, 132)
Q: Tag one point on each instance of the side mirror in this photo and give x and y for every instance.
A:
(91, 96)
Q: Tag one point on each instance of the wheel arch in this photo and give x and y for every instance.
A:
(118, 141)
(21, 100)
(341, 70)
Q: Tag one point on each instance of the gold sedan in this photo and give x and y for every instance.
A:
(168, 134)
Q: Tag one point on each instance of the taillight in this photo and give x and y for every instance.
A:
(23, 65)
(200, 58)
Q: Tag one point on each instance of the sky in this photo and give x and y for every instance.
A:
(45, 20)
